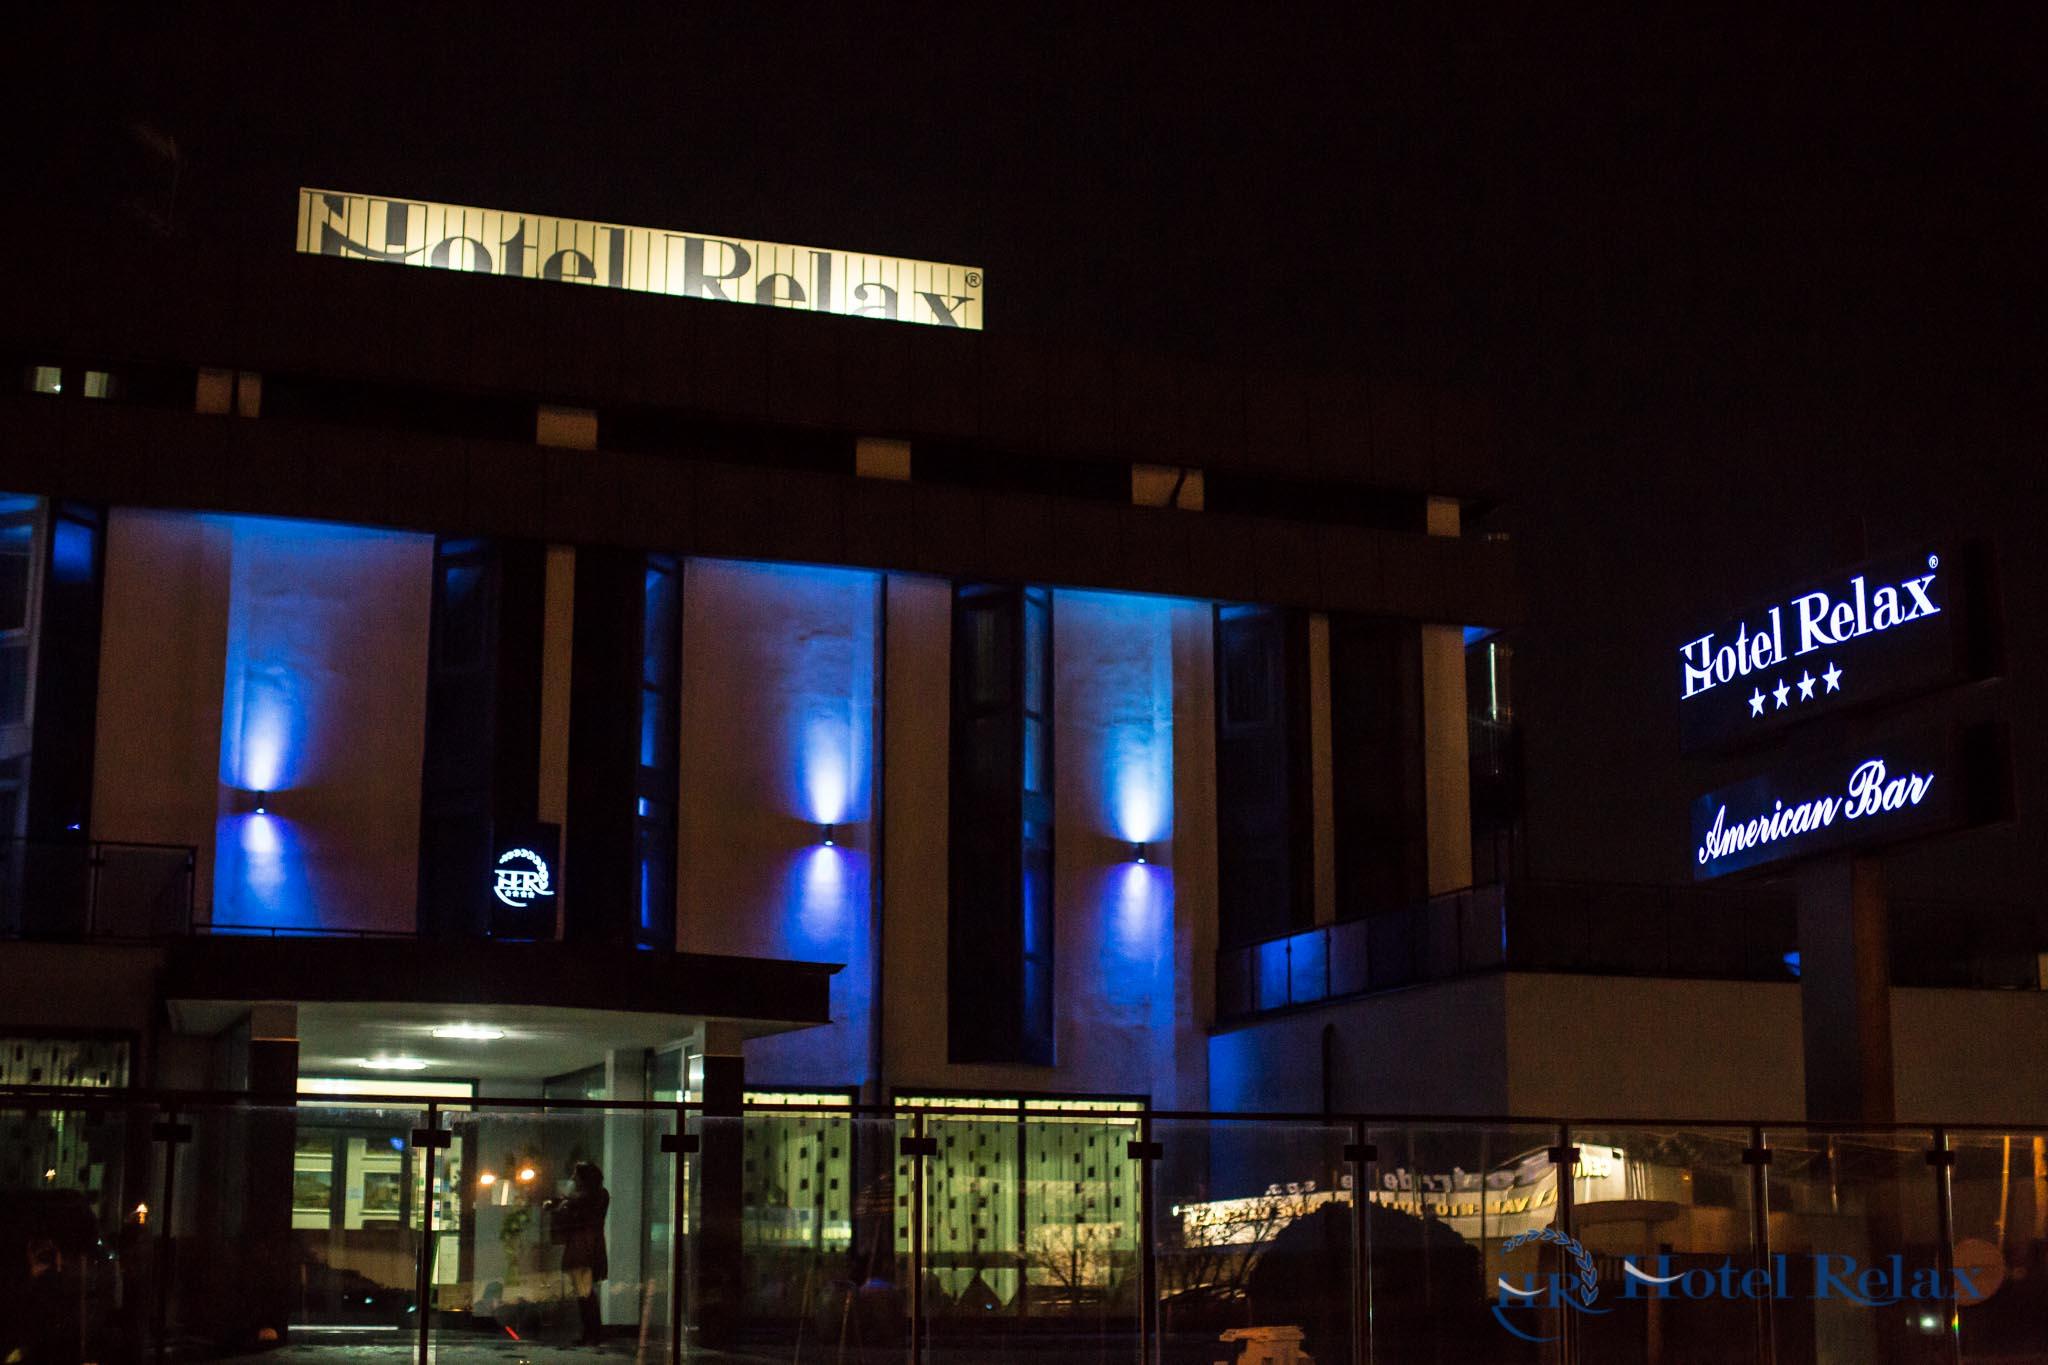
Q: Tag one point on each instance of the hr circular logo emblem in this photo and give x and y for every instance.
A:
(1574, 1291)
(524, 880)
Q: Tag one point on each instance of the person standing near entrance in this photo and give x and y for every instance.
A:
(579, 1227)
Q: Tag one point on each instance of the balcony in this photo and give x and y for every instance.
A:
(805, 1228)
(94, 889)
(1744, 933)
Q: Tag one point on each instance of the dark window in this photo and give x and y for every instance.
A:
(463, 605)
(1376, 765)
(18, 517)
(1000, 958)
(66, 673)
(1264, 850)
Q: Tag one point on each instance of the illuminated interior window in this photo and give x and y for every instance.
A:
(46, 379)
(98, 384)
(71, 1063)
(798, 1174)
(1032, 1204)
(335, 1091)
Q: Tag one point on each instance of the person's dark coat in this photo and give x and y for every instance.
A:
(579, 1227)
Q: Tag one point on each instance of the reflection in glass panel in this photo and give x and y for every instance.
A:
(2000, 1198)
(1255, 1238)
(546, 1232)
(73, 1214)
(1864, 1197)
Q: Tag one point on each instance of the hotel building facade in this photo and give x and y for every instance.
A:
(425, 687)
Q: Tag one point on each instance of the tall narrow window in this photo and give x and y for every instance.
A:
(1262, 773)
(656, 782)
(624, 692)
(1000, 931)
(19, 518)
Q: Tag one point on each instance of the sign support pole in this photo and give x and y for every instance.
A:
(1845, 991)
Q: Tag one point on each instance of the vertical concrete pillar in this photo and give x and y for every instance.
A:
(264, 1247)
(557, 660)
(910, 994)
(1845, 992)
(1446, 741)
(1187, 1006)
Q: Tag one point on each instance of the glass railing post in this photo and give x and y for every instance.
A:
(1758, 1158)
(426, 1142)
(1361, 1154)
(679, 1144)
(1941, 1161)
(169, 1133)
(917, 1147)
(1145, 1151)
(1565, 1158)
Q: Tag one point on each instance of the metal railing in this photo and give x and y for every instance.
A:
(84, 888)
(200, 1226)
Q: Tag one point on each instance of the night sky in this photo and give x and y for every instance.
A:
(1731, 283)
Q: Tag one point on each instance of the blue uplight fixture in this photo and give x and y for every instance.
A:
(830, 842)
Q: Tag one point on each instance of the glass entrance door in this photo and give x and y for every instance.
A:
(355, 1214)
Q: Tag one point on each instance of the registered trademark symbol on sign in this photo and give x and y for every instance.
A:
(1934, 561)
(974, 279)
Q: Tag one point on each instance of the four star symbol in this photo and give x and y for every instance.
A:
(1783, 691)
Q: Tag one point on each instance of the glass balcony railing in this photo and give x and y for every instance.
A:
(1731, 933)
(140, 1228)
(82, 888)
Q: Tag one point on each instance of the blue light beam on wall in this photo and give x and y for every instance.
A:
(1132, 694)
(299, 597)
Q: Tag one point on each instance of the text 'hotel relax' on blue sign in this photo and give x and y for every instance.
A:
(1882, 631)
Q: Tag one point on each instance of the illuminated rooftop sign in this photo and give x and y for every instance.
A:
(1874, 793)
(1882, 631)
(646, 260)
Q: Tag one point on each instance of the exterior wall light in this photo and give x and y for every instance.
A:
(247, 801)
(487, 1179)
(830, 832)
(1138, 852)
(526, 1175)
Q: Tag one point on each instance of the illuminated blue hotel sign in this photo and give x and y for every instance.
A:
(1882, 631)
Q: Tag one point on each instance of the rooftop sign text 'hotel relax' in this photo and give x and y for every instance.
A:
(647, 260)
(1881, 631)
